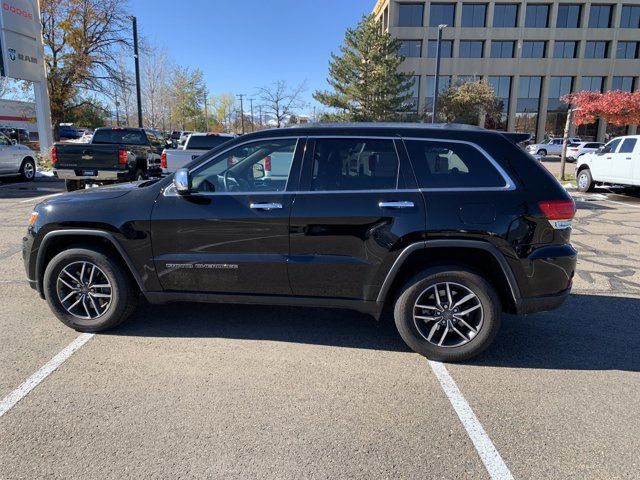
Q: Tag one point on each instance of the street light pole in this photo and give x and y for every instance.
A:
(436, 83)
(252, 121)
(137, 63)
(241, 96)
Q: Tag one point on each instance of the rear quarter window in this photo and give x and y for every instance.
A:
(206, 142)
(452, 165)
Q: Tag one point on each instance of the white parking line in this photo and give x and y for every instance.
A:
(32, 382)
(489, 455)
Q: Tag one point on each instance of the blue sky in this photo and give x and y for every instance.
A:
(244, 44)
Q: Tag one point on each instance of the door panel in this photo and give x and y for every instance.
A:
(622, 162)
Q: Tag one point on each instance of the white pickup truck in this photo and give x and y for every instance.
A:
(618, 163)
(197, 143)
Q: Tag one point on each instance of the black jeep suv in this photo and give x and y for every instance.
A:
(448, 226)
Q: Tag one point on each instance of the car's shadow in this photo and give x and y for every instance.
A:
(587, 333)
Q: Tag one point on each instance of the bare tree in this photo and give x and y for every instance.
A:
(280, 101)
(156, 106)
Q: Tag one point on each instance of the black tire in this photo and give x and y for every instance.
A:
(542, 152)
(28, 169)
(124, 294)
(419, 285)
(585, 181)
(73, 185)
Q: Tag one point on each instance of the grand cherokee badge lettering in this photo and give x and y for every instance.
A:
(200, 266)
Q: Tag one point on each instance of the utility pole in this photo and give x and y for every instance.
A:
(436, 85)
(137, 62)
(260, 107)
(251, 101)
(241, 96)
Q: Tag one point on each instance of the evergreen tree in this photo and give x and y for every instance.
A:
(465, 102)
(365, 79)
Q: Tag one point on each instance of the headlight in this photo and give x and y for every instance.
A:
(34, 217)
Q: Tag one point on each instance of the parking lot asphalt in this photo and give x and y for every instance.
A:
(198, 391)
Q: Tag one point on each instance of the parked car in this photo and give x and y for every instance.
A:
(20, 135)
(551, 146)
(114, 154)
(69, 132)
(183, 137)
(86, 137)
(448, 226)
(197, 143)
(575, 150)
(16, 159)
(618, 162)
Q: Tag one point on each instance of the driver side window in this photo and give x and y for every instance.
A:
(4, 141)
(261, 166)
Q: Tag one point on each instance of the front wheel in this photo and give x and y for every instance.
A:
(88, 290)
(448, 314)
(542, 152)
(585, 181)
(28, 170)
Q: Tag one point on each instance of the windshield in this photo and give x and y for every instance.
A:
(205, 142)
(113, 136)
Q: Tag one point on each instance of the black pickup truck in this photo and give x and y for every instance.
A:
(115, 154)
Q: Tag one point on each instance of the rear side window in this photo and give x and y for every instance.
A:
(354, 164)
(593, 145)
(206, 142)
(131, 137)
(628, 145)
(452, 165)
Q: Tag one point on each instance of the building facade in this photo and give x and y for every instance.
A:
(531, 52)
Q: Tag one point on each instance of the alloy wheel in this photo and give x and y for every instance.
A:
(28, 170)
(84, 290)
(448, 314)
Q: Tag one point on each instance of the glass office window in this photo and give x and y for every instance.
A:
(600, 16)
(558, 87)
(442, 14)
(502, 89)
(446, 48)
(415, 93)
(630, 16)
(537, 16)
(410, 48)
(565, 49)
(474, 14)
(592, 84)
(596, 50)
(460, 79)
(411, 14)
(443, 84)
(533, 49)
(505, 15)
(471, 49)
(627, 50)
(502, 49)
(529, 94)
(568, 16)
(625, 84)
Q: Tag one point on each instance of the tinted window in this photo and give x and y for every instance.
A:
(206, 142)
(442, 14)
(628, 145)
(411, 15)
(627, 50)
(600, 16)
(593, 84)
(622, 83)
(612, 145)
(630, 17)
(474, 14)
(596, 50)
(131, 137)
(451, 165)
(446, 48)
(593, 145)
(261, 166)
(537, 16)
(354, 164)
(470, 49)
(564, 50)
(568, 16)
(501, 49)
(505, 15)
(533, 49)
(410, 48)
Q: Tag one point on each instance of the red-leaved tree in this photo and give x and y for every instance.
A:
(615, 107)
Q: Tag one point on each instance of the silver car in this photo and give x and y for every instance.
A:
(575, 150)
(551, 146)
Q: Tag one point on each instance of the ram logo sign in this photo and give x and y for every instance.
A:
(21, 39)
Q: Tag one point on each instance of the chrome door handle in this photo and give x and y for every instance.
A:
(627, 158)
(265, 206)
(396, 205)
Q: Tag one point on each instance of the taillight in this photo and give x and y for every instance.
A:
(573, 149)
(123, 157)
(54, 155)
(267, 163)
(558, 209)
(163, 160)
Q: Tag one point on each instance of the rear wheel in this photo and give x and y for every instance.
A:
(542, 152)
(28, 169)
(585, 181)
(89, 291)
(73, 185)
(448, 314)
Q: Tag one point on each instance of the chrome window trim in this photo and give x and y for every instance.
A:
(509, 183)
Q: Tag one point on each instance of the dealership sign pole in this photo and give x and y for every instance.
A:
(23, 57)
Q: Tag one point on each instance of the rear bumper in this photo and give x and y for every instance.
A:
(102, 175)
(543, 303)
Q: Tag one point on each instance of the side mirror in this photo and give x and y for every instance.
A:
(182, 181)
(258, 171)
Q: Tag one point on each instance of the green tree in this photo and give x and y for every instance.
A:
(367, 85)
(187, 92)
(90, 113)
(465, 102)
